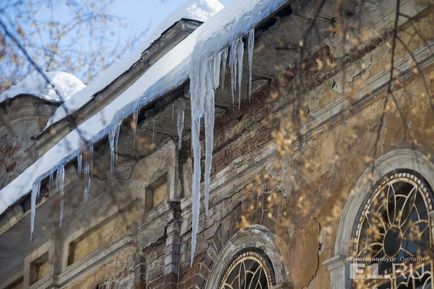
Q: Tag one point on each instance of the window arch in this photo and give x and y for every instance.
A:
(249, 270)
(393, 237)
(399, 160)
(254, 241)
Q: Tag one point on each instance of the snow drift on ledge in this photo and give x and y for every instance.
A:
(200, 10)
(34, 84)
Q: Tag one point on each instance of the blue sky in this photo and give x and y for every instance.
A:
(140, 14)
(77, 49)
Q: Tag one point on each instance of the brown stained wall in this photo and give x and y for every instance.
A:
(101, 236)
(155, 257)
(310, 186)
(22, 119)
(335, 177)
(118, 267)
(333, 157)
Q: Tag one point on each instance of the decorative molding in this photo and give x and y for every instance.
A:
(49, 248)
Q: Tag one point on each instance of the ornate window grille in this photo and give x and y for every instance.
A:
(107, 285)
(394, 235)
(249, 270)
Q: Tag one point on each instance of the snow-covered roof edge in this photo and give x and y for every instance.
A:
(166, 74)
(190, 10)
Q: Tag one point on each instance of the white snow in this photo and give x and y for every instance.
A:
(65, 83)
(200, 10)
(198, 57)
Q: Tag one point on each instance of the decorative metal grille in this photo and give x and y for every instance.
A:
(249, 270)
(394, 236)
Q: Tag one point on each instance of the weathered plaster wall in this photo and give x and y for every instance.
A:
(337, 146)
(296, 200)
(22, 119)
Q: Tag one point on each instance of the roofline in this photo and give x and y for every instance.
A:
(157, 50)
(259, 25)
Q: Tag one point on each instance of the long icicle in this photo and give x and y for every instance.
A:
(212, 84)
(113, 141)
(216, 66)
(195, 204)
(50, 183)
(79, 165)
(205, 75)
(223, 66)
(180, 123)
(250, 48)
(134, 125)
(197, 90)
(88, 166)
(34, 197)
(233, 58)
(60, 186)
(240, 56)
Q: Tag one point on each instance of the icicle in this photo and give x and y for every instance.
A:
(180, 123)
(250, 47)
(113, 141)
(223, 66)
(35, 193)
(195, 203)
(134, 126)
(50, 183)
(79, 164)
(197, 91)
(233, 58)
(87, 169)
(216, 63)
(60, 182)
(204, 79)
(136, 122)
(240, 55)
(211, 84)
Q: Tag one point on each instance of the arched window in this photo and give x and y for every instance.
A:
(249, 270)
(109, 284)
(393, 242)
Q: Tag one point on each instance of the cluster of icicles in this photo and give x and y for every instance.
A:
(56, 182)
(205, 77)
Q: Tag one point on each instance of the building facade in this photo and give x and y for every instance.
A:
(330, 162)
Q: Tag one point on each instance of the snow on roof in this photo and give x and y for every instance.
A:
(200, 10)
(166, 74)
(34, 84)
